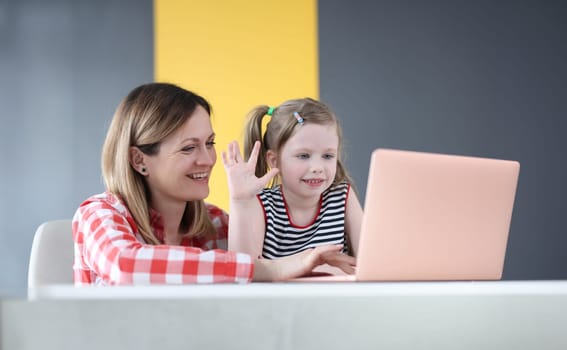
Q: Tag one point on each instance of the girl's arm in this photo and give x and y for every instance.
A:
(353, 219)
(246, 220)
(246, 227)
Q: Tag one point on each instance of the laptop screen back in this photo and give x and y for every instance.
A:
(435, 217)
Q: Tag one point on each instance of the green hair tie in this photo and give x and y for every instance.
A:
(271, 111)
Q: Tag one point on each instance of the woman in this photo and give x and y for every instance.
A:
(151, 224)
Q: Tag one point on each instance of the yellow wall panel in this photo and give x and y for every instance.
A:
(237, 54)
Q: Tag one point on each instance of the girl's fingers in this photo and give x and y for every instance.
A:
(254, 154)
(237, 155)
(224, 159)
(232, 154)
(231, 150)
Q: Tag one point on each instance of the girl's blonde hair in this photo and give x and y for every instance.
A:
(283, 125)
(144, 118)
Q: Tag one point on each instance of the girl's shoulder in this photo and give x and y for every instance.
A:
(275, 189)
(336, 192)
(341, 186)
(270, 192)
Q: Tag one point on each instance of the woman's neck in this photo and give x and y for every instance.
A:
(171, 215)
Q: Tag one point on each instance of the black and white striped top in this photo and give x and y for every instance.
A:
(283, 238)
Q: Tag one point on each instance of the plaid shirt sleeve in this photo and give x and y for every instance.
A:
(108, 252)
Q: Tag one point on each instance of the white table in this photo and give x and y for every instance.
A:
(420, 315)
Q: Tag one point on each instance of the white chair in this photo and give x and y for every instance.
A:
(51, 257)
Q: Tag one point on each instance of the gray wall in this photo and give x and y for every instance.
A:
(482, 78)
(64, 66)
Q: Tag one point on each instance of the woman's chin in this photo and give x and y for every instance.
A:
(197, 195)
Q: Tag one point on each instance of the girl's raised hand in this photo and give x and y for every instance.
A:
(242, 181)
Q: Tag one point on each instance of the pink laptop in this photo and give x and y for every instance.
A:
(434, 217)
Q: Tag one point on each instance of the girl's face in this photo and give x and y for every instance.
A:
(308, 160)
(180, 171)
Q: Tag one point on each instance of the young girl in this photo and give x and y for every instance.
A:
(310, 202)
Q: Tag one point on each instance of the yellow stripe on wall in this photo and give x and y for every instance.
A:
(237, 54)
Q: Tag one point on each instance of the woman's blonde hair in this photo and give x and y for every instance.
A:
(144, 118)
(283, 125)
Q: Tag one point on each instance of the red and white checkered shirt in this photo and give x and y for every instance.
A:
(109, 250)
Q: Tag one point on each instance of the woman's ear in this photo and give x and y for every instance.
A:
(137, 160)
(272, 159)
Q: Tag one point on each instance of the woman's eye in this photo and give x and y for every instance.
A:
(211, 144)
(188, 149)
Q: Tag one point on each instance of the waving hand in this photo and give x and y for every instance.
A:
(242, 181)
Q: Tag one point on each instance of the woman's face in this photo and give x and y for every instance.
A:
(181, 170)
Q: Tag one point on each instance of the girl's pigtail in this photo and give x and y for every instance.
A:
(253, 133)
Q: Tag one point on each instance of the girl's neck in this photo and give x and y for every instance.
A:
(302, 210)
(300, 202)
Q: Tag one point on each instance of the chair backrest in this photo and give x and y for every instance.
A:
(51, 257)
